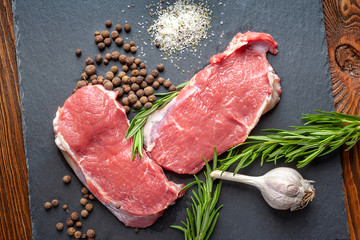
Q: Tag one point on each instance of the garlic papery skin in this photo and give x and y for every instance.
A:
(282, 188)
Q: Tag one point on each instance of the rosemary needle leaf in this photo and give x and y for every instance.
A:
(321, 134)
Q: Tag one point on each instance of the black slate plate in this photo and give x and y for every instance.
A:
(48, 32)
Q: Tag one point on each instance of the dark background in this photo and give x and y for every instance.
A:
(48, 32)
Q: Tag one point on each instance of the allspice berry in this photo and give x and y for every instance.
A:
(121, 74)
(119, 41)
(115, 55)
(139, 79)
(142, 65)
(83, 201)
(78, 52)
(149, 78)
(156, 84)
(75, 216)
(106, 62)
(98, 39)
(81, 84)
(127, 109)
(143, 72)
(127, 28)
(47, 205)
(172, 88)
(89, 61)
(59, 226)
(114, 34)
(84, 213)
(118, 27)
(98, 58)
(116, 81)
(133, 79)
(55, 203)
(132, 43)
(129, 61)
(89, 207)
(137, 105)
(140, 93)
(126, 89)
(93, 77)
(101, 46)
(133, 66)
(125, 79)
(137, 61)
(96, 33)
(157, 44)
(155, 73)
(152, 98)
(148, 105)
(148, 91)
(109, 75)
(71, 231)
(84, 76)
(122, 59)
(90, 233)
(69, 222)
(114, 69)
(161, 80)
(65, 206)
(160, 67)
(107, 42)
(105, 34)
(167, 83)
(143, 84)
(143, 100)
(127, 47)
(120, 91)
(78, 224)
(108, 86)
(108, 56)
(90, 70)
(66, 179)
(125, 101)
(132, 98)
(77, 235)
(135, 72)
(108, 23)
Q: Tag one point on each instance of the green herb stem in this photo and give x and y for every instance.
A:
(137, 124)
(321, 134)
(203, 215)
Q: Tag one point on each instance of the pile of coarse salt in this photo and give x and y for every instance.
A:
(181, 25)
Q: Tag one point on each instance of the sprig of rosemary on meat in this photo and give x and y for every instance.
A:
(203, 215)
(136, 126)
(321, 134)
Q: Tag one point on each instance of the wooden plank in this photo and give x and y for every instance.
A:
(342, 23)
(14, 203)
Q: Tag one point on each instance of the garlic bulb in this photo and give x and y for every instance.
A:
(282, 188)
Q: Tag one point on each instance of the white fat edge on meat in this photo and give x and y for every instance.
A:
(158, 116)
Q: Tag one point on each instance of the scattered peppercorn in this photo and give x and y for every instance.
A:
(77, 235)
(89, 61)
(119, 41)
(84, 76)
(55, 203)
(127, 109)
(108, 56)
(129, 61)
(83, 201)
(143, 84)
(132, 43)
(125, 79)
(125, 100)
(100, 79)
(59, 226)
(133, 49)
(143, 72)
(117, 206)
(127, 47)
(78, 52)
(114, 69)
(172, 88)
(47, 205)
(142, 65)
(81, 84)
(161, 80)
(155, 73)
(116, 81)
(71, 231)
(121, 74)
(139, 79)
(108, 86)
(109, 75)
(75, 216)
(89, 207)
(148, 105)
(98, 58)
(98, 38)
(127, 28)
(115, 55)
(106, 62)
(122, 59)
(127, 89)
(156, 84)
(133, 66)
(108, 23)
(69, 222)
(140, 93)
(73, 91)
(157, 44)
(65, 206)
(135, 72)
(167, 83)
(120, 91)
(83, 236)
(107, 42)
(90, 233)
(94, 81)
(78, 224)
(137, 105)
(118, 27)
(148, 91)
(133, 79)
(143, 100)
(132, 98)
(67, 179)
(93, 77)
(149, 78)
(84, 213)
(131, 92)
(160, 67)
(105, 34)
(152, 98)
(136, 230)
(101, 46)
(114, 34)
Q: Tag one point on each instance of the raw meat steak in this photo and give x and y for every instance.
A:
(90, 131)
(218, 108)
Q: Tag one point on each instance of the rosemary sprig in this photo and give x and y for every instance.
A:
(321, 134)
(136, 126)
(203, 215)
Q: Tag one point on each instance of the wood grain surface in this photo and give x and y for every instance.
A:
(14, 202)
(342, 22)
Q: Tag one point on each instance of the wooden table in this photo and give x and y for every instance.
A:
(342, 22)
